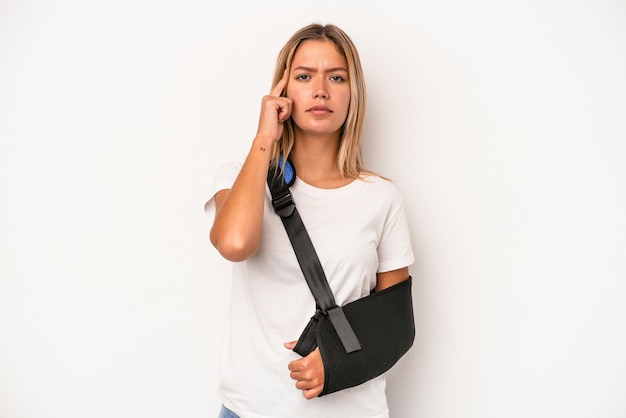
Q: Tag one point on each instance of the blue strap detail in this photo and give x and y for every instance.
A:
(289, 173)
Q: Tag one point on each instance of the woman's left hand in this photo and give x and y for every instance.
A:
(308, 372)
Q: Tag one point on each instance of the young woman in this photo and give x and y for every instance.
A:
(355, 218)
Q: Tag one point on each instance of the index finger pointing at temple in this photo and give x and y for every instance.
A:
(278, 88)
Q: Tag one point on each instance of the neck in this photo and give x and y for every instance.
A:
(315, 159)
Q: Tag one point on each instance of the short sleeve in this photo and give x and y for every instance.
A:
(225, 177)
(395, 249)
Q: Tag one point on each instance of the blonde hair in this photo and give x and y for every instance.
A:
(349, 158)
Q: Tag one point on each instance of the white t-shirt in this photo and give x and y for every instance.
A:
(357, 230)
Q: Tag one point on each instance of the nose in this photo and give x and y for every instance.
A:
(321, 91)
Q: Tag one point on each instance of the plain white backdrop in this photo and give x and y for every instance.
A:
(502, 122)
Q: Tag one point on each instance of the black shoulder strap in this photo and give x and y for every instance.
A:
(310, 265)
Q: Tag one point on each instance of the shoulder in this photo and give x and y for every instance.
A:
(233, 165)
(228, 170)
(379, 184)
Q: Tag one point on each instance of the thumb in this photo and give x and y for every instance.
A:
(290, 345)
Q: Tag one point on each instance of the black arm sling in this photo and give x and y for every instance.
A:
(360, 340)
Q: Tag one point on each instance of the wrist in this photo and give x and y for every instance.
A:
(262, 144)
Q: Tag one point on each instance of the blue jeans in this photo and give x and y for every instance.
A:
(227, 413)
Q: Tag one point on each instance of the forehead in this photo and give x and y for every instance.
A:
(322, 52)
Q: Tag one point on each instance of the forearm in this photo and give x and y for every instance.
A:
(236, 231)
(389, 278)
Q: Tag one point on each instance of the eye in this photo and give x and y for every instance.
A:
(337, 78)
(303, 77)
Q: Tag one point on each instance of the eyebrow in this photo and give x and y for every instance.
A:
(312, 70)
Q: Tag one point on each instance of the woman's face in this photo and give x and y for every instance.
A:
(319, 87)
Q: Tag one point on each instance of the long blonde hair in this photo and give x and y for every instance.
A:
(349, 158)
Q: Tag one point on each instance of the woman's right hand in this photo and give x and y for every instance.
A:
(236, 230)
(274, 111)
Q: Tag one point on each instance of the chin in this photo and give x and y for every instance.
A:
(320, 130)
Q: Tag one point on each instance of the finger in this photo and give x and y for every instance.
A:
(294, 366)
(311, 393)
(290, 345)
(284, 110)
(280, 86)
(304, 385)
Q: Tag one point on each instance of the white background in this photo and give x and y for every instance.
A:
(502, 122)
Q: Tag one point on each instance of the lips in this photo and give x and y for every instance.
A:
(319, 110)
